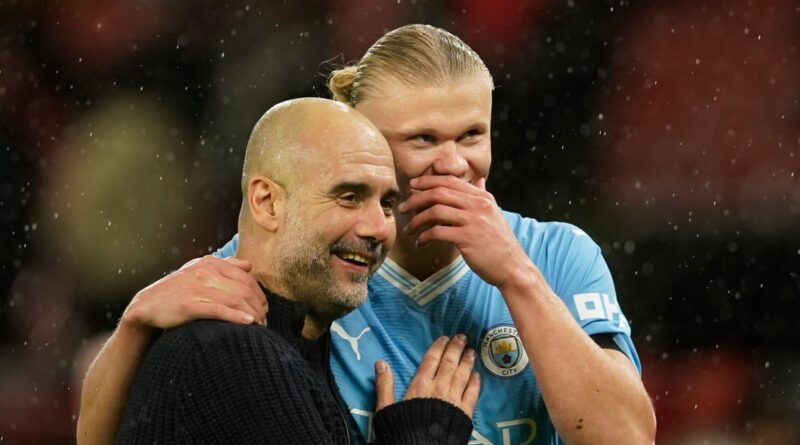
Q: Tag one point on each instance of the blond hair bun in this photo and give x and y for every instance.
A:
(340, 82)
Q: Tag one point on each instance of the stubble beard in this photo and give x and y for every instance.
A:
(307, 274)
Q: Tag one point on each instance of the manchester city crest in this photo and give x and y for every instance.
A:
(501, 351)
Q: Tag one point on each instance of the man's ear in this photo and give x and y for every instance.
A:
(265, 198)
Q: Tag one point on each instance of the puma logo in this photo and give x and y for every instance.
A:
(338, 330)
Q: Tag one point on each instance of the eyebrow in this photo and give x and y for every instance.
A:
(363, 189)
(409, 132)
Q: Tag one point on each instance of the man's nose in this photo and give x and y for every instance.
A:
(450, 160)
(374, 223)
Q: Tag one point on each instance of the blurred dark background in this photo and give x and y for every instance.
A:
(668, 130)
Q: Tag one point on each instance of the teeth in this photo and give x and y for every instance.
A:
(355, 257)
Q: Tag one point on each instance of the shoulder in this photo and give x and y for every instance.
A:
(555, 237)
(213, 351)
(220, 339)
(212, 331)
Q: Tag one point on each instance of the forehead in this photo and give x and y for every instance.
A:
(401, 108)
(351, 153)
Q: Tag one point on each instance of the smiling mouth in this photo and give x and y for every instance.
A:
(354, 258)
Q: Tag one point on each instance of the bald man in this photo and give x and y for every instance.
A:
(318, 189)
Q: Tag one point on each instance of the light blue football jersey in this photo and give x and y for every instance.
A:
(403, 316)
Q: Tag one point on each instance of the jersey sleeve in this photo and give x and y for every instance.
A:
(579, 275)
(229, 249)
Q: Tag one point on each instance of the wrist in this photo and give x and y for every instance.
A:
(133, 326)
(521, 279)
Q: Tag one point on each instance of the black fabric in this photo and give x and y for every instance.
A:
(217, 382)
(391, 423)
(606, 341)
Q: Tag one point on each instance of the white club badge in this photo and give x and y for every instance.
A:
(502, 353)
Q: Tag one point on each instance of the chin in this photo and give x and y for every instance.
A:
(347, 300)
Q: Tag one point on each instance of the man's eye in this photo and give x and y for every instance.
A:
(471, 134)
(388, 203)
(426, 138)
(349, 197)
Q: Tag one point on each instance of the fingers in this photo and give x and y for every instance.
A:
(206, 287)
(232, 298)
(236, 285)
(463, 372)
(436, 215)
(470, 395)
(446, 373)
(241, 264)
(449, 362)
(384, 385)
(427, 182)
(439, 233)
(243, 294)
(430, 361)
(240, 273)
(216, 311)
(427, 198)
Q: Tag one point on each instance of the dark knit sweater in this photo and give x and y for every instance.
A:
(216, 382)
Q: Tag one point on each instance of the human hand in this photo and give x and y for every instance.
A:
(207, 287)
(445, 373)
(450, 209)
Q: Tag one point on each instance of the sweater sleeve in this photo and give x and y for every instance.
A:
(224, 383)
(422, 421)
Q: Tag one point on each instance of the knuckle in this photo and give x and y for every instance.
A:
(434, 359)
(205, 261)
(216, 310)
(486, 203)
(427, 366)
(450, 360)
(442, 389)
(184, 306)
(432, 355)
(201, 274)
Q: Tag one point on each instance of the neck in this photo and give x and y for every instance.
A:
(422, 262)
(259, 253)
(313, 327)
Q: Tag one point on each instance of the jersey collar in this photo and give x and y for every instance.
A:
(423, 292)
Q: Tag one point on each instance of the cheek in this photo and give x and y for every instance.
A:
(411, 163)
(331, 225)
(480, 159)
(392, 235)
(336, 223)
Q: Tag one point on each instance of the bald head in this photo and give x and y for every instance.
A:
(319, 188)
(291, 135)
(299, 137)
